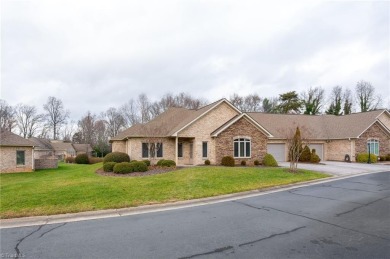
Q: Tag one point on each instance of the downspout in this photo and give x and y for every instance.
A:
(32, 160)
(176, 151)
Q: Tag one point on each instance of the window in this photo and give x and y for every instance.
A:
(373, 146)
(20, 157)
(204, 149)
(152, 148)
(145, 150)
(242, 147)
(180, 149)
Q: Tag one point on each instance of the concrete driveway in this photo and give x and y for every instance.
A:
(341, 168)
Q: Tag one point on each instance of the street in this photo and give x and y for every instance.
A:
(347, 218)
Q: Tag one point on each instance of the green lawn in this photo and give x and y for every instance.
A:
(75, 188)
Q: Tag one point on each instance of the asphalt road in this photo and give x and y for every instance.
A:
(347, 218)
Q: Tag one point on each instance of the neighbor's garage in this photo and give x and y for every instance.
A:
(319, 150)
(277, 151)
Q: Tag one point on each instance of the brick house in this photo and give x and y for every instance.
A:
(189, 137)
(16, 153)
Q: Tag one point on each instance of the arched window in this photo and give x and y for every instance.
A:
(242, 147)
(373, 146)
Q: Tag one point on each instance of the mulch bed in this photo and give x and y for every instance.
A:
(152, 171)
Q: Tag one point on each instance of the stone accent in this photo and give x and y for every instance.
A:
(374, 132)
(243, 128)
(201, 131)
(8, 160)
(385, 119)
(336, 150)
(46, 163)
(118, 146)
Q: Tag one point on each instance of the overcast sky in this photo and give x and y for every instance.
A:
(97, 54)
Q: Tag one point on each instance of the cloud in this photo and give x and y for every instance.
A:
(98, 54)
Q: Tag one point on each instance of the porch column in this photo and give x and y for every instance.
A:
(176, 150)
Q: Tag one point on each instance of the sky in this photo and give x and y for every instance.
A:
(99, 54)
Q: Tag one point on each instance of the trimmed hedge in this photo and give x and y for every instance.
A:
(363, 158)
(168, 163)
(159, 162)
(139, 166)
(94, 160)
(256, 162)
(82, 159)
(207, 162)
(147, 162)
(269, 160)
(118, 157)
(243, 163)
(228, 161)
(109, 166)
(306, 155)
(123, 168)
(69, 159)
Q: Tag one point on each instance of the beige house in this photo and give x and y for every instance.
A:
(16, 153)
(189, 137)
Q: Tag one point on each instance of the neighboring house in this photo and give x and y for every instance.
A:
(220, 129)
(42, 147)
(83, 149)
(63, 149)
(16, 153)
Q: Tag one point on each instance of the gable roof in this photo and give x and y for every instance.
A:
(235, 119)
(62, 146)
(8, 138)
(322, 126)
(41, 143)
(170, 122)
(82, 147)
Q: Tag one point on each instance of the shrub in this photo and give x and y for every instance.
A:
(228, 161)
(168, 163)
(94, 160)
(109, 166)
(388, 157)
(382, 158)
(69, 159)
(207, 162)
(306, 155)
(269, 160)
(159, 162)
(82, 159)
(147, 162)
(118, 157)
(256, 162)
(139, 166)
(243, 163)
(123, 168)
(363, 158)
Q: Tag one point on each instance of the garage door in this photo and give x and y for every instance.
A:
(319, 150)
(277, 150)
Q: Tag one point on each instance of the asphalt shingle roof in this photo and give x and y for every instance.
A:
(8, 138)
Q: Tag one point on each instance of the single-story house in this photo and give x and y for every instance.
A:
(42, 147)
(83, 149)
(189, 137)
(63, 149)
(16, 153)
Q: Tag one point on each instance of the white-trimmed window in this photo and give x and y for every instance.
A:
(20, 157)
(242, 147)
(373, 146)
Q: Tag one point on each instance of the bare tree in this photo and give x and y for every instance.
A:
(296, 138)
(347, 99)
(56, 115)
(365, 95)
(114, 120)
(237, 101)
(312, 100)
(130, 113)
(335, 101)
(7, 116)
(86, 127)
(68, 131)
(269, 105)
(28, 120)
(154, 139)
(144, 108)
(252, 103)
(101, 145)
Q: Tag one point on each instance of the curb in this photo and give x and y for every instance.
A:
(109, 213)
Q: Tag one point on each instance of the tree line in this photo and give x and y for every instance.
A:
(96, 129)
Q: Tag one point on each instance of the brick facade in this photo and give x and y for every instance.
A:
(242, 128)
(46, 163)
(336, 150)
(8, 160)
(374, 132)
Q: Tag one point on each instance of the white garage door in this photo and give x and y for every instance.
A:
(319, 150)
(277, 150)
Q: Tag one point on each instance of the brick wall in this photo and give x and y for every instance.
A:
(224, 142)
(118, 146)
(46, 163)
(8, 160)
(374, 132)
(337, 149)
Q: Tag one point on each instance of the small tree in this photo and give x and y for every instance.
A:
(296, 138)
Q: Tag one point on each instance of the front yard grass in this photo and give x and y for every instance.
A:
(76, 188)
